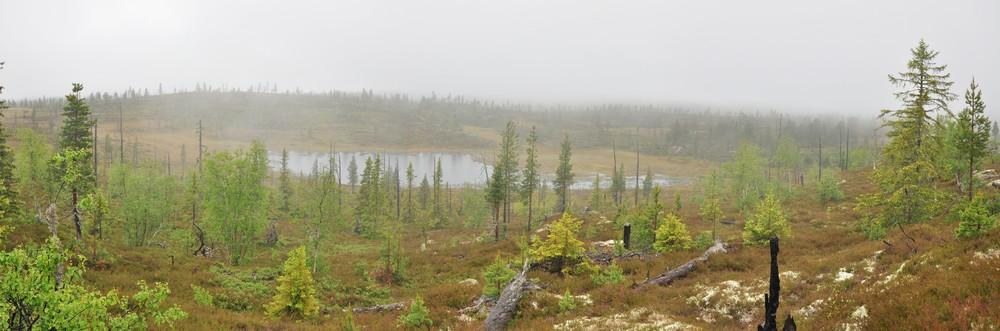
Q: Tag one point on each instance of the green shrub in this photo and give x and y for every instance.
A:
(828, 189)
(611, 274)
(703, 240)
(201, 296)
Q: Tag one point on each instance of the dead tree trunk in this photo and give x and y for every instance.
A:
(772, 298)
(506, 305)
(671, 275)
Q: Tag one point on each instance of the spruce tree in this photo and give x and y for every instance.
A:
(596, 196)
(352, 173)
(564, 175)
(907, 171)
(77, 123)
(409, 192)
(647, 183)
(507, 165)
(285, 182)
(296, 295)
(973, 134)
(530, 177)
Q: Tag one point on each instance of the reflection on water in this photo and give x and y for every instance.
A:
(456, 168)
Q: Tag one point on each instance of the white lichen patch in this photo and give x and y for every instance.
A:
(790, 275)
(728, 299)
(869, 262)
(583, 299)
(857, 319)
(810, 310)
(860, 314)
(892, 276)
(639, 319)
(989, 254)
(843, 275)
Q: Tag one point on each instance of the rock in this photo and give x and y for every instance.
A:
(607, 244)
(986, 175)
(995, 184)
(469, 282)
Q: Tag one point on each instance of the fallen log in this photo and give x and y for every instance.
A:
(380, 308)
(506, 305)
(671, 275)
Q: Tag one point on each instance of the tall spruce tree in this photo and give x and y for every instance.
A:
(973, 135)
(905, 177)
(564, 175)
(77, 123)
(530, 177)
(409, 192)
(507, 166)
(285, 181)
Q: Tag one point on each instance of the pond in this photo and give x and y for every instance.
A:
(457, 168)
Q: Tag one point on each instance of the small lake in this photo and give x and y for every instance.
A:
(457, 168)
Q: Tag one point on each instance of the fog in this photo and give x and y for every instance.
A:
(792, 56)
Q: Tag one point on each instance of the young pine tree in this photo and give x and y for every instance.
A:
(295, 295)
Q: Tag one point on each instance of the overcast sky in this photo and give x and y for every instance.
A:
(795, 56)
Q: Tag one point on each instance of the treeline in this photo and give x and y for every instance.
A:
(367, 118)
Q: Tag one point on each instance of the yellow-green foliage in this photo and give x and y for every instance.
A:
(766, 221)
(296, 295)
(561, 246)
(672, 235)
(419, 315)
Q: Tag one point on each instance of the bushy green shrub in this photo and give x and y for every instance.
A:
(703, 240)
(611, 274)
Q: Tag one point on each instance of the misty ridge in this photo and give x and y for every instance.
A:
(517, 165)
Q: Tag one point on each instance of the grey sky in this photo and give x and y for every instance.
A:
(785, 55)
